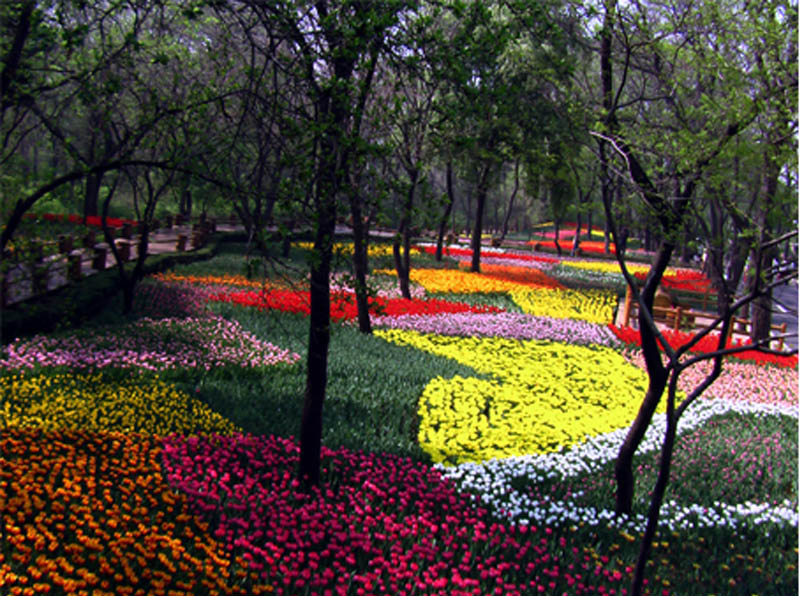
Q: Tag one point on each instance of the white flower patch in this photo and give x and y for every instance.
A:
(492, 479)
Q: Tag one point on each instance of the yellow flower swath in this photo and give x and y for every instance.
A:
(540, 397)
(456, 281)
(594, 306)
(346, 248)
(93, 403)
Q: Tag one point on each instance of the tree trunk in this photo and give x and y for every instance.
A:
(607, 83)
(185, 207)
(477, 231)
(511, 199)
(332, 115)
(660, 489)
(447, 210)
(468, 211)
(360, 239)
(657, 380)
(557, 229)
(318, 342)
(724, 280)
(577, 239)
(761, 307)
(15, 52)
(92, 199)
(286, 240)
(402, 260)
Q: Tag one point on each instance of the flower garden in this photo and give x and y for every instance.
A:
(468, 443)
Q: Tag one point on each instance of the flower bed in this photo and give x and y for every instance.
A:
(607, 266)
(343, 305)
(739, 381)
(516, 487)
(487, 253)
(594, 306)
(453, 281)
(592, 246)
(524, 276)
(709, 343)
(94, 402)
(506, 324)
(541, 397)
(213, 280)
(206, 343)
(533, 407)
(88, 512)
(687, 280)
(157, 299)
(346, 249)
(379, 525)
(378, 285)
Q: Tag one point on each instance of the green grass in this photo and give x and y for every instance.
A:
(372, 393)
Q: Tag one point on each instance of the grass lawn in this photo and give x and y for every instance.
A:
(468, 444)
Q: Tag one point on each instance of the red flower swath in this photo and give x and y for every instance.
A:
(343, 306)
(92, 220)
(709, 343)
(569, 229)
(682, 279)
(592, 246)
(390, 526)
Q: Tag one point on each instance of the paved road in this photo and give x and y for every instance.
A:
(785, 300)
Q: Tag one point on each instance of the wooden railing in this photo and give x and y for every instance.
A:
(73, 259)
(679, 317)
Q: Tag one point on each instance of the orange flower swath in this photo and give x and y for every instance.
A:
(551, 244)
(526, 276)
(92, 512)
(456, 281)
(593, 246)
(219, 280)
(596, 246)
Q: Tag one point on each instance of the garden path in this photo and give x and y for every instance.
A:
(161, 241)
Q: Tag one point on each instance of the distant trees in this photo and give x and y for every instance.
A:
(500, 63)
(92, 85)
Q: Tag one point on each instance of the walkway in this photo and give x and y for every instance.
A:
(21, 286)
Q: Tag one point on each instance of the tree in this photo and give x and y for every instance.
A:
(108, 59)
(415, 92)
(664, 75)
(330, 48)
